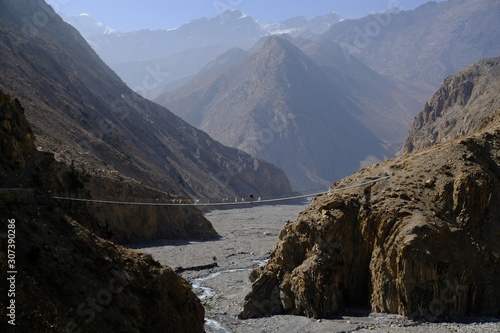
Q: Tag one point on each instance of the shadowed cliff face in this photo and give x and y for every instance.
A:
(69, 279)
(17, 139)
(423, 243)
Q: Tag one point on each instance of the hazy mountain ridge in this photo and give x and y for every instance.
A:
(83, 112)
(87, 25)
(232, 28)
(295, 110)
(151, 61)
(424, 45)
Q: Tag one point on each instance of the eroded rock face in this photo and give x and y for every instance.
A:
(17, 140)
(465, 103)
(69, 280)
(136, 223)
(423, 243)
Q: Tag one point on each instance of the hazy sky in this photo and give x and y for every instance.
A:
(127, 15)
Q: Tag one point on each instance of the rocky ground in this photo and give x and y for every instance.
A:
(247, 237)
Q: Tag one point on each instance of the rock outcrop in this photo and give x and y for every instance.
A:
(136, 223)
(465, 103)
(423, 243)
(16, 137)
(68, 279)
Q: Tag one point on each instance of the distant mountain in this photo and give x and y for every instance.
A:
(87, 25)
(177, 54)
(467, 102)
(424, 45)
(306, 117)
(301, 26)
(81, 111)
(151, 78)
(231, 28)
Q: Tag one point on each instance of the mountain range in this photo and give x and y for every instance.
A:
(236, 96)
(81, 111)
(298, 110)
(397, 237)
(151, 62)
(425, 45)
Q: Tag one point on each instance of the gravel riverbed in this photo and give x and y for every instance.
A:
(247, 237)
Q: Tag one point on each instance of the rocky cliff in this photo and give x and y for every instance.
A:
(68, 279)
(465, 103)
(16, 137)
(423, 243)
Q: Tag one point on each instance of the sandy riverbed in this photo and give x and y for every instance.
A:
(247, 237)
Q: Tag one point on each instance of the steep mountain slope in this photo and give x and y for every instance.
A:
(424, 45)
(281, 105)
(422, 243)
(388, 107)
(465, 103)
(84, 113)
(65, 277)
(120, 223)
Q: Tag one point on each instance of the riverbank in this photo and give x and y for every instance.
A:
(247, 238)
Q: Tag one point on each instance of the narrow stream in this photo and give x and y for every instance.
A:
(204, 292)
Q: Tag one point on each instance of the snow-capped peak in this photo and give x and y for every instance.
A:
(87, 25)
